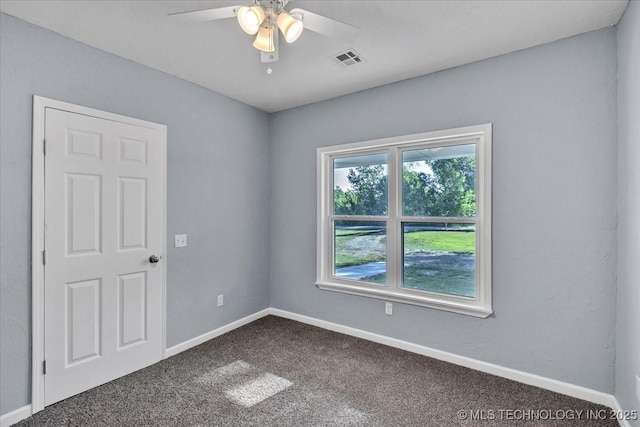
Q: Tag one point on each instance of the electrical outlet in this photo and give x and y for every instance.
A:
(388, 308)
(220, 300)
(181, 241)
(638, 387)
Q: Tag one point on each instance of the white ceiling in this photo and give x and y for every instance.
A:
(399, 40)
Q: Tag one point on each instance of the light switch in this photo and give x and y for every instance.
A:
(181, 240)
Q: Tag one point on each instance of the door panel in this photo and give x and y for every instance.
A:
(103, 220)
(133, 151)
(83, 321)
(83, 144)
(133, 216)
(132, 308)
(83, 197)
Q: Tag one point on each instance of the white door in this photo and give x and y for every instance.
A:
(103, 221)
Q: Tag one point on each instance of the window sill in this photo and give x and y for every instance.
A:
(452, 304)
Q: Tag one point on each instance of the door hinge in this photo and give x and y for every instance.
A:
(44, 257)
(44, 146)
(44, 367)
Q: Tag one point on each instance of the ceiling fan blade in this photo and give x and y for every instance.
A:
(207, 14)
(326, 26)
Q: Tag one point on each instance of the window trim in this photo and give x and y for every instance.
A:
(481, 135)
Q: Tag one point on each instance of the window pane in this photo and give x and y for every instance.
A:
(439, 258)
(360, 185)
(361, 251)
(439, 181)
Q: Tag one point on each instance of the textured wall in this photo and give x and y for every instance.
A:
(218, 186)
(553, 110)
(628, 315)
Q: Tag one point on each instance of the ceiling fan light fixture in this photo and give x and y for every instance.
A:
(250, 18)
(264, 40)
(291, 27)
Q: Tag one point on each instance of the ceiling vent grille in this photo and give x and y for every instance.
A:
(348, 58)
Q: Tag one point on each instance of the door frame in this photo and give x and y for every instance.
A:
(40, 104)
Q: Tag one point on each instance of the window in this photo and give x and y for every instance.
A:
(408, 219)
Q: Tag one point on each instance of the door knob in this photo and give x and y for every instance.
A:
(154, 258)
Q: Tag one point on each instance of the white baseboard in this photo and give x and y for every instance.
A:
(15, 416)
(179, 348)
(478, 365)
(616, 407)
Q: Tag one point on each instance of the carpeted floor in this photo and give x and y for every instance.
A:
(277, 372)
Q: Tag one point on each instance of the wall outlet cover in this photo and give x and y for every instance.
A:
(220, 300)
(638, 387)
(388, 308)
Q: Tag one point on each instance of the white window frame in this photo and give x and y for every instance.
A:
(480, 135)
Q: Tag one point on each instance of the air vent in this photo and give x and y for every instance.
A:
(348, 58)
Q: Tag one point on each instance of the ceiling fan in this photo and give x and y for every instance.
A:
(265, 17)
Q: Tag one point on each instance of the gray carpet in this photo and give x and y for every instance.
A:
(277, 372)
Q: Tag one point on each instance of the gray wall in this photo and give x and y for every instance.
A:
(218, 186)
(553, 110)
(628, 318)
